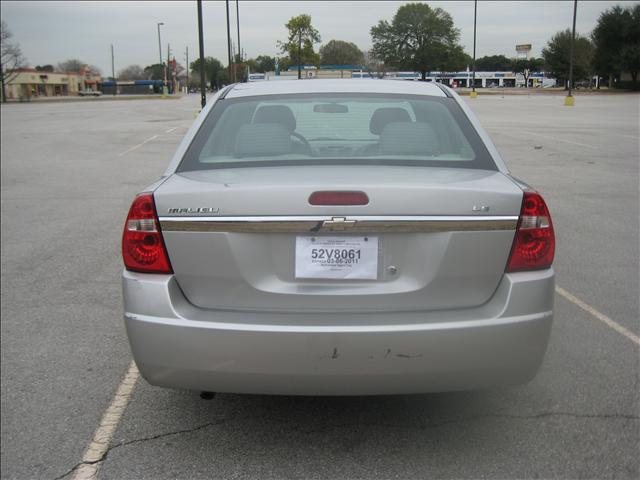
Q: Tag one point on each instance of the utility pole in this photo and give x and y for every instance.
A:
(187, 53)
(113, 73)
(228, 41)
(569, 101)
(474, 94)
(203, 95)
(164, 84)
(169, 76)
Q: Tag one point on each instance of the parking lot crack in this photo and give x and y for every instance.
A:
(324, 428)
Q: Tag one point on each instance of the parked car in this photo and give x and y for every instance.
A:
(89, 93)
(337, 237)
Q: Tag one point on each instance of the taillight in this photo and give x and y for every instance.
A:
(142, 245)
(534, 243)
(338, 198)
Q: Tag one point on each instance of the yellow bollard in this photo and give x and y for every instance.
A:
(473, 94)
(569, 101)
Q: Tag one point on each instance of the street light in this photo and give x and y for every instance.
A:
(164, 68)
(474, 94)
(569, 101)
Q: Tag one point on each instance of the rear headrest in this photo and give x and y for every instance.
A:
(262, 139)
(401, 138)
(276, 114)
(384, 116)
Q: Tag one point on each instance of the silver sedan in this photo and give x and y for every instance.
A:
(337, 237)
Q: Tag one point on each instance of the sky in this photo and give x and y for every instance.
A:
(50, 32)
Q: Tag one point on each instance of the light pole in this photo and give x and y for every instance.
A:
(238, 28)
(203, 94)
(229, 43)
(164, 68)
(474, 94)
(113, 72)
(569, 101)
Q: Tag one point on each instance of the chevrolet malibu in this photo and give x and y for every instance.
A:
(337, 237)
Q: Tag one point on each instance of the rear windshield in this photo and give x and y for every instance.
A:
(317, 129)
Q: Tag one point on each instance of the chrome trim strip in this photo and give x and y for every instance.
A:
(315, 224)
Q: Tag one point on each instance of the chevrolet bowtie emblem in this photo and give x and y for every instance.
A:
(338, 223)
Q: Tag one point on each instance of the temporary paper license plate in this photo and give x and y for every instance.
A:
(352, 258)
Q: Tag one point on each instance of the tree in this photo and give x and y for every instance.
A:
(44, 68)
(456, 60)
(617, 42)
(283, 63)
(10, 58)
(526, 66)
(132, 72)
(418, 38)
(215, 73)
(338, 52)
(299, 44)
(263, 63)
(154, 72)
(557, 52)
(374, 67)
(494, 63)
(71, 65)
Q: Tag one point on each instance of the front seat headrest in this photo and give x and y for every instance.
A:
(276, 114)
(384, 116)
(262, 139)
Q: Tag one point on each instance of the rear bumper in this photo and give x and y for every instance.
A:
(177, 345)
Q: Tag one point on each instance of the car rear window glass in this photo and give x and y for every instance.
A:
(336, 129)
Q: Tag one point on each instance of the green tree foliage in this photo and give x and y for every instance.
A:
(526, 66)
(338, 52)
(44, 68)
(154, 72)
(457, 60)
(419, 38)
(299, 44)
(215, 73)
(284, 63)
(494, 63)
(617, 42)
(557, 52)
(262, 64)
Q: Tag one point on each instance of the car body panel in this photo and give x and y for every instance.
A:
(176, 344)
(454, 259)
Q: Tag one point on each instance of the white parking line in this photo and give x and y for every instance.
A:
(93, 455)
(138, 146)
(600, 316)
(171, 129)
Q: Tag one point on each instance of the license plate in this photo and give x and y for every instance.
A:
(346, 258)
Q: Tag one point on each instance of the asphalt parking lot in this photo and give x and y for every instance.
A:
(68, 174)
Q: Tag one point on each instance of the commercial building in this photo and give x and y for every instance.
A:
(26, 83)
(453, 79)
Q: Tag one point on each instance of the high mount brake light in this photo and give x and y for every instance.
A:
(338, 198)
(143, 249)
(534, 242)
